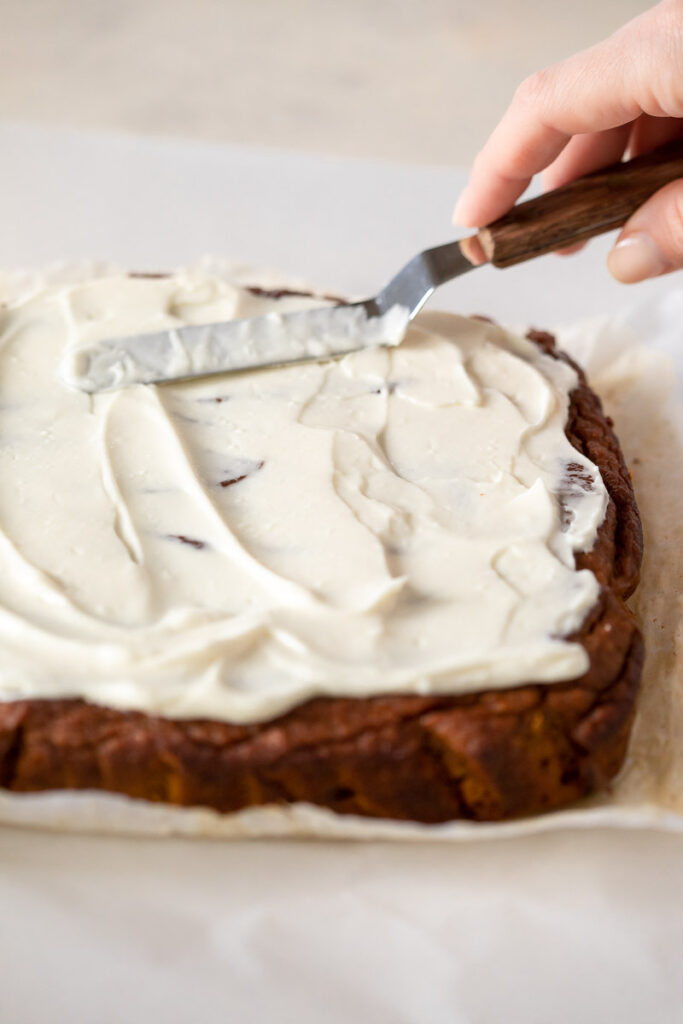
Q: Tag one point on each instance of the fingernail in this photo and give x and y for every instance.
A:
(636, 257)
(460, 209)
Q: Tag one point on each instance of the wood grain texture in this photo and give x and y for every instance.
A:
(589, 206)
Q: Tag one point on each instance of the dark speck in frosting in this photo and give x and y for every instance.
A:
(242, 476)
(198, 544)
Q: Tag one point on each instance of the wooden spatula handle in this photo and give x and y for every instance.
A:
(586, 207)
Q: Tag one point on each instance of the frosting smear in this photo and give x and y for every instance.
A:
(398, 520)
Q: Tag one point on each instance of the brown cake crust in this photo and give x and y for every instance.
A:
(483, 756)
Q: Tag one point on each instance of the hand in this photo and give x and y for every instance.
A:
(584, 113)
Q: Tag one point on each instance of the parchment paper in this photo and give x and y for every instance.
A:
(574, 925)
(631, 361)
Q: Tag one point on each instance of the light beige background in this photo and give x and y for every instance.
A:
(419, 80)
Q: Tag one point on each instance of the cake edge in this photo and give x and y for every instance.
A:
(483, 756)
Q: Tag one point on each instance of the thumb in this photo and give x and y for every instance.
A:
(651, 242)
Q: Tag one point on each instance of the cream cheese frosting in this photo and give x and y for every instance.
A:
(399, 520)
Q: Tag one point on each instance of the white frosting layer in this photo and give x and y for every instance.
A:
(389, 522)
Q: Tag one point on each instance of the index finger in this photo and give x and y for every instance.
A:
(594, 90)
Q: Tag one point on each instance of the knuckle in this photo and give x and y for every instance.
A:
(661, 41)
(534, 89)
(657, 23)
(669, 13)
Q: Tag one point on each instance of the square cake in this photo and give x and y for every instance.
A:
(390, 584)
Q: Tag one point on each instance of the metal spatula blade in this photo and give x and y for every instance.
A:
(201, 350)
(586, 207)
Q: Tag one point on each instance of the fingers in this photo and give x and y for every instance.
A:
(650, 132)
(601, 89)
(651, 242)
(575, 97)
(583, 154)
(586, 153)
(503, 170)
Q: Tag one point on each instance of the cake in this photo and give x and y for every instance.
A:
(391, 585)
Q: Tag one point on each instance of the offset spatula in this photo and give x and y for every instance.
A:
(580, 210)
